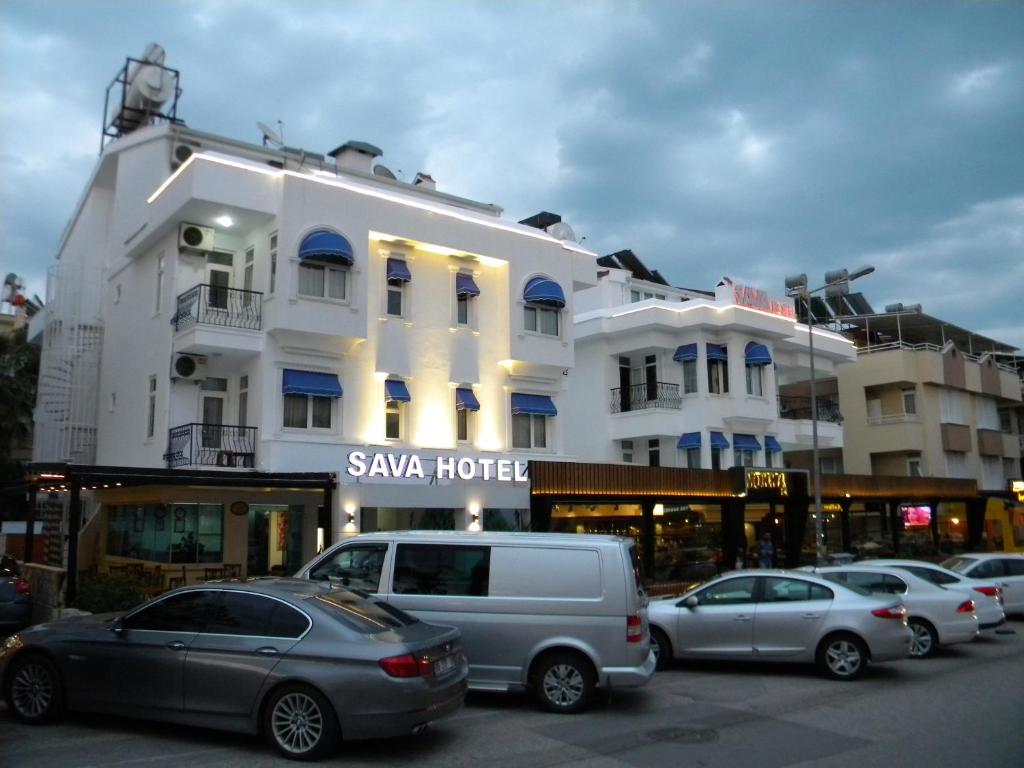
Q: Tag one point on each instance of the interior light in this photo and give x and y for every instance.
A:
(224, 221)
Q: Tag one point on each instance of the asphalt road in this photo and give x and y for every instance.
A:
(962, 708)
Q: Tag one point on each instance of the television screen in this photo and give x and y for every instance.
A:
(915, 516)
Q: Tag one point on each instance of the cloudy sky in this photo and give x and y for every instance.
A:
(746, 139)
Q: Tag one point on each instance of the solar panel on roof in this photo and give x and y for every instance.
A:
(819, 310)
(836, 304)
(859, 304)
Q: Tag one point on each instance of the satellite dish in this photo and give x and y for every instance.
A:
(562, 231)
(269, 134)
(384, 172)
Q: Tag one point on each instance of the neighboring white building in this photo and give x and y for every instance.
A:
(261, 311)
(690, 378)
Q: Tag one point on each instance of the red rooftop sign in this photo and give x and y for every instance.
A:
(755, 298)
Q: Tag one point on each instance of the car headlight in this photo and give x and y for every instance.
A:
(11, 644)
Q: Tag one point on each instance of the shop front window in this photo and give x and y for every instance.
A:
(175, 533)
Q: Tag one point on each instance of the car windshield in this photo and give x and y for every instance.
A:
(959, 563)
(362, 614)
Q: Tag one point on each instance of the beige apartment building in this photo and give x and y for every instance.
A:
(924, 399)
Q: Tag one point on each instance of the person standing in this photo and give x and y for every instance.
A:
(765, 551)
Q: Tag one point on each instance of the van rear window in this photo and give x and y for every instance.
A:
(442, 569)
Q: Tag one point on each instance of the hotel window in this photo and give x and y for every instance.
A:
(151, 411)
(627, 451)
(323, 281)
(159, 283)
(273, 261)
(909, 401)
(756, 357)
(309, 399)
(654, 452)
(175, 533)
(541, 319)
(543, 302)
(689, 376)
(396, 396)
(243, 401)
(769, 459)
(530, 415)
(397, 275)
(718, 369)
(693, 458)
(831, 465)
(716, 457)
(755, 384)
(634, 296)
(466, 291)
(466, 405)
(744, 457)
(247, 275)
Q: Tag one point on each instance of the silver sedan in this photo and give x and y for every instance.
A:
(304, 664)
(781, 616)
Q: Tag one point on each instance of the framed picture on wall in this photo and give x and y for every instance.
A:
(179, 519)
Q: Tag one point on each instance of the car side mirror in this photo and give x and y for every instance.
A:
(691, 602)
(117, 626)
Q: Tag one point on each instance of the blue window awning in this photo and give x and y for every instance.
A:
(395, 391)
(717, 352)
(718, 440)
(535, 405)
(772, 445)
(465, 285)
(685, 352)
(746, 443)
(689, 440)
(310, 383)
(398, 270)
(541, 290)
(323, 245)
(465, 400)
(757, 354)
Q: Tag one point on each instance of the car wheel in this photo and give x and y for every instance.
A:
(925, 640)
(34, 691)
(300, 723)
(564, 682)
(662, 648)
(843, 657)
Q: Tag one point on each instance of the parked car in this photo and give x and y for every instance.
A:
(557, 614)
(780, 615)
(1006, 570)
(987, 595)
(15, 597)
(302, 663)
(936, 615)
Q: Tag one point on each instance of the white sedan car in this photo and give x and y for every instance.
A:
(987, 595)
(777, 615)
(1005, 569)
(936, 615)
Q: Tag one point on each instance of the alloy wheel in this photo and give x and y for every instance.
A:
(563, 685)
(297, 723)
(843, 658)
(921, 644)
(32, 690)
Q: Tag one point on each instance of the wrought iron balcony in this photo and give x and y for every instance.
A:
(642, 396)
(211, 445)
(800, 408)
(218, 305)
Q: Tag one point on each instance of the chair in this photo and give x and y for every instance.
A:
(232, 570)
(213, 573)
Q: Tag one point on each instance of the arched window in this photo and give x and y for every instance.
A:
(544, 300)
(324, 261)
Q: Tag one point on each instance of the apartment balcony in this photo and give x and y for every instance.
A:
(639, 397)
(894, 418)
(800, 408)
(211, 445)
(215, 319)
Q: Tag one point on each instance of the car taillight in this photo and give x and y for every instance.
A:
(21, 587)
(967, 606)
(892, 612)
(634, 629)
(995, 592)
(406, 665)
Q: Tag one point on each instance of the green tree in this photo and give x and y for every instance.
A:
(19, 372)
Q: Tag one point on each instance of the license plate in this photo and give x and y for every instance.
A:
(444, 665)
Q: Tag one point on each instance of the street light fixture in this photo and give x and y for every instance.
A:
(837, 283)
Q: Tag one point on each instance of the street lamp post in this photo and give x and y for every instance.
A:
(837, 283)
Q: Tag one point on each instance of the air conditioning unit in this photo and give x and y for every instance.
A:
(188, 367)
(192, 237)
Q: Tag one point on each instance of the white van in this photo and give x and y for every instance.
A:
(559, 614)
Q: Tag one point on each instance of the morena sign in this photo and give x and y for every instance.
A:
(410, 465)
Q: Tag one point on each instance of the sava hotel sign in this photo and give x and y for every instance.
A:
(409, 465)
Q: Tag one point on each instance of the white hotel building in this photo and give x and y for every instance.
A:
(271, 332)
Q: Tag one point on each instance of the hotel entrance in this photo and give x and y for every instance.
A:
(275, 539)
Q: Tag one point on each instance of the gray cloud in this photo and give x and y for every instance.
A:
(747, 139)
